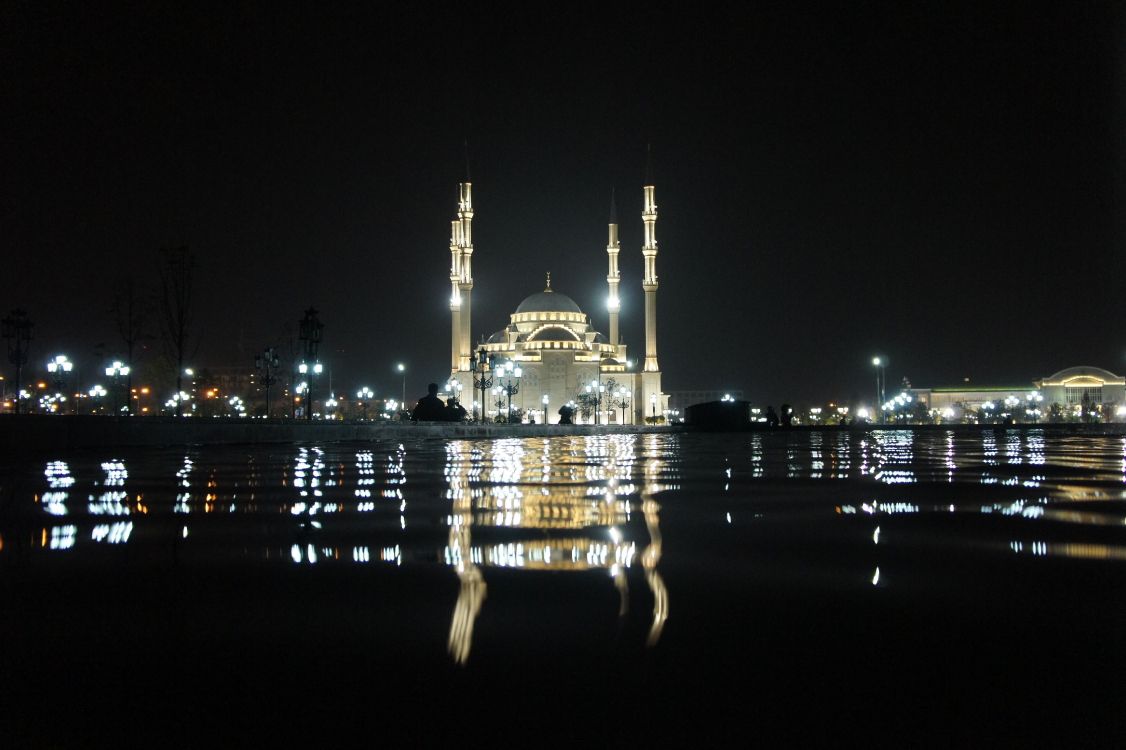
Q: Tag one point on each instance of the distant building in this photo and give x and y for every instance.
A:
(1075, 384)
(1068, 388)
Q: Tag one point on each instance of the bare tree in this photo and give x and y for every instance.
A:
(177, 314)
(130, 313)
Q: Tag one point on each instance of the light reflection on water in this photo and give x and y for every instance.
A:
(580, 506)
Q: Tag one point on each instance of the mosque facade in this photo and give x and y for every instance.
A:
(550, 351)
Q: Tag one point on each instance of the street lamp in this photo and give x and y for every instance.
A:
(881, 377)
(310, 332)
(364, 395)
(545, 398)
(653, 405)
(511, 385)
(116, 371)
(484, 382)
(330, 406)
(403, 371)
(59, 367)
(306, 369)
(595, 391)
(96, 392)
(267, 364)
(619, 399)
(17, 330)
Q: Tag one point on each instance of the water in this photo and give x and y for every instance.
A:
(895, 587)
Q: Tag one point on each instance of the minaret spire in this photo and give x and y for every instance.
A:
(613, 275)
(649, 283)
(461, 276)
(465, 285)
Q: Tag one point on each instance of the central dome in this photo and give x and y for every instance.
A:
(548, 301)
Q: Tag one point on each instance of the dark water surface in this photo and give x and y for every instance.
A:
(892, 588)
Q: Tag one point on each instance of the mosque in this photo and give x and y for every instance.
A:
(550, 354)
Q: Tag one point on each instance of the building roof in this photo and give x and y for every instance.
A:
(554, 333)
(548, 301)
(1083, 372)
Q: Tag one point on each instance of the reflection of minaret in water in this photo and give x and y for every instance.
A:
(591, 504)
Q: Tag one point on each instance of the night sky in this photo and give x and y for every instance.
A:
(937, 183)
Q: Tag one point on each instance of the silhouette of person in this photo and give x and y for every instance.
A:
(787, 416)
(454, 411)
(565, 414)
(429, 408)
(771, 417)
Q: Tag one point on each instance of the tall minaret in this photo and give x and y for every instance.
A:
(455, 293)
(613, 302)
(465, 217)
(649, 283)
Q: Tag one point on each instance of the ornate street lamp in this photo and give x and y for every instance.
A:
(511, 385)
(306, 369)
(403, 371)
(545, 400)
(17, 330)
(483, 383)
(267, 364)
(364, 395)
(117, 371)
(96, 392)
(619, 399)
(59, 367)
(310, 332)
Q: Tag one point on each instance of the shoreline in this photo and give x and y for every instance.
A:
(32, 432)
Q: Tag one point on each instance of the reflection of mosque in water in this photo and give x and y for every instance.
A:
(573, 505)
(582, 513)
(568, 504)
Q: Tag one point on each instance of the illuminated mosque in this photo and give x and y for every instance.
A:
(552, 341)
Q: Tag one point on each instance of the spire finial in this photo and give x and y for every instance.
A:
(467, 177)
(613, 208)
(548, 289)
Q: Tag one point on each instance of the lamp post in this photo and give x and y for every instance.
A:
(116, 371)
(96, 392)
(545, 399)
(310, 332)
(595, 391)
(619, 399)
(881, 368)
(267, 363)
(17, 330)
(364, 395)
(511, 386)
(403, 371)
(59, 367)
(483, 383)
(306, 369)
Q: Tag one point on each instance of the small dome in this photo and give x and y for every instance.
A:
(548, 301)
(499, 337)
(554, 333)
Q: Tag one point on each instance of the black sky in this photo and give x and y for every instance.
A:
(939, 183)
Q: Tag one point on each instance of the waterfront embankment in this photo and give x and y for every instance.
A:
(30, 432)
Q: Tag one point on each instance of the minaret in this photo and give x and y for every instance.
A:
(455, 293)
(613, 303)
(465, 218)
(649, 283)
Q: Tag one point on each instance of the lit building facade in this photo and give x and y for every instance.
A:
(1069, 388)
(553, 342)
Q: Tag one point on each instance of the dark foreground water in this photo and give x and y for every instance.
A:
(891, 589)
